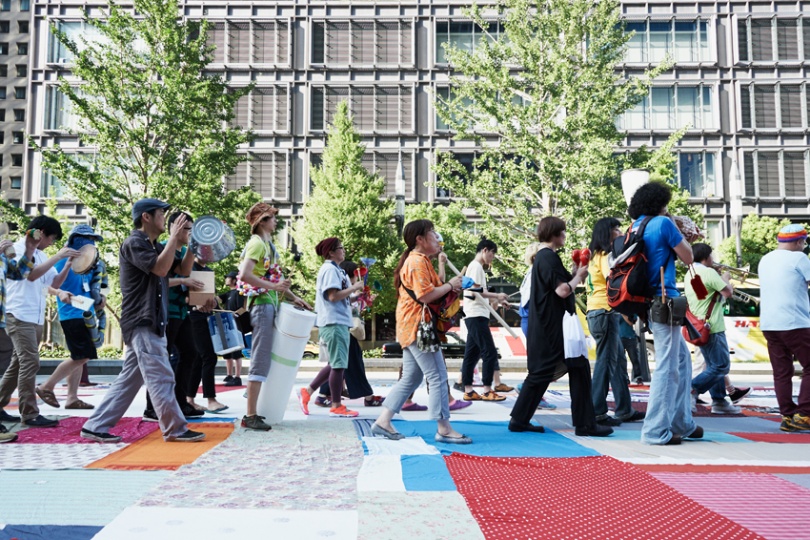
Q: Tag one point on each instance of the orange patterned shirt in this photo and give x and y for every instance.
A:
(418, 275)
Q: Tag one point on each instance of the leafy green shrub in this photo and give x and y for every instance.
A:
(111, 352)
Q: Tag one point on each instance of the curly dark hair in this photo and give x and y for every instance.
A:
(649, 200)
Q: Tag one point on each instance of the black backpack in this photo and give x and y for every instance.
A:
(628, 285)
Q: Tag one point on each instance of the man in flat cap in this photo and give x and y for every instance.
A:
(784, 274)
(143, 266)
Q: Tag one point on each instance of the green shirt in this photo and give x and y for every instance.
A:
(265, 255)
(714, 283)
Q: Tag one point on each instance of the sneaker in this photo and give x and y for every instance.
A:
(150, 416)
(635, 416)
(800, 422)
(255, 422)
(323, 401)
(519, 387)
(458, 386)
(235, 381)
(5, 417)
(593, 431)
(342, 412)
(738, 394)
(189, 436)
(191, 412)
(41, 421)
(787, 424)
(609, 421)
(725, 407)
(227, 379)
(303, 400)
(546, 405)
(472, 396)
(99, 437)
(5, 436)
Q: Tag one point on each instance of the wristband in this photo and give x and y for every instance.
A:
(570, 288)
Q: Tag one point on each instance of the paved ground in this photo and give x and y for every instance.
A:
(320, 477)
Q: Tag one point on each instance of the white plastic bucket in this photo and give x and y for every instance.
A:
(225, 336)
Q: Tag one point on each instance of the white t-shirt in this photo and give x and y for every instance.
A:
(783, 277)
(476, 306)
(26, 299)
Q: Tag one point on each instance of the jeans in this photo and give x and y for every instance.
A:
(718, 363)
(782, 346)
(611, 365)
(631, 348)
(416, 363)
(669, 411)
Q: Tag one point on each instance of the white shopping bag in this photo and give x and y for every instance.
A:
(574, 336)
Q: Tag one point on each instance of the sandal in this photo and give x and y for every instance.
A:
(492, 396)
(375, 401)
(47, 396)
(79, 404)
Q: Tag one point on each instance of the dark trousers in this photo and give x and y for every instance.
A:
(782, 347)
(179, 336)
(205, 361)
(479, 345)
(355, 375)
(541, 374)
(6, 350)
(631, 348)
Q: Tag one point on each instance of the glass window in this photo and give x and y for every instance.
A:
(3, 48)
(2, 92)
(17, 137)
(2, 119)
(660, 41)
(662, 108)
(19, 92)
(57, 52)
(22, 48)
(787, 39)
(22, 70)
(4, 27)
(761, 40)
(637, 46)
(696, 174)
(3, 70)
(19, 115)
(25, 5)
(5, 5)
(16, 160)
(51, 186)
(463, 35)
(23, 26)
(686, 42)
(16, 182)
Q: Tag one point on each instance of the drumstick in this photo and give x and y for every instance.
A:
(491, 309)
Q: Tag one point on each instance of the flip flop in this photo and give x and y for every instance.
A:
(79, 404)
(47, 396)
(218, 409)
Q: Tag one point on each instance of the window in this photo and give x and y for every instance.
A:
(23, 27)
(670, 108)
(5, 5)
(2, 134)
(19, 115)
(2, 119)
(22, 70)
(777, 106)
(375, 108)
(268, 173)
(3, 48)
(51, 187)
(1, 160)
(362, 43)
(17, 137)
(250, 42)
(25, 5)
(3, 70)
(755, 38)
(264, 109)
(695, 172)
(684, 41)
(19, 92)
(444, 94)
(2, 92)
(4, 27)
(385, 164)
(463, 35)
(16, 160)
(466, 160)
(16, 182)
(775, 174)
(22, 48)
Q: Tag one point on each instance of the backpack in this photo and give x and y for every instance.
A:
(628, 287)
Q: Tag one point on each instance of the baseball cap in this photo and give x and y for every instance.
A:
(147, 205)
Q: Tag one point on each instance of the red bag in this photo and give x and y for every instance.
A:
(697, 331)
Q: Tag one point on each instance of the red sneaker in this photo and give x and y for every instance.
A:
(342, 412)
(303, 400)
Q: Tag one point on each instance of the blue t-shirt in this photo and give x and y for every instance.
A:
(660, 238)
(332, 276)
(75, 284)
(783, 277)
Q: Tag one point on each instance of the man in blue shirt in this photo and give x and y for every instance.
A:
(669, 413)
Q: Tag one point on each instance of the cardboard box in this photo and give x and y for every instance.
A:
(198, 298)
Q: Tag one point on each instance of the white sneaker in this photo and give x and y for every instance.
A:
(725, 407)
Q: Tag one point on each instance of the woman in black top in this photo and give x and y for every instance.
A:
(552, 295)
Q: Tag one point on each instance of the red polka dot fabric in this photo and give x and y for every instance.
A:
(580, 498)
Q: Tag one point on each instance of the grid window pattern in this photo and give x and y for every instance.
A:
(362, 43)
(696, 174)
(775, 39)
(250, 42)
(385, 164)
(671, 108)
(774, 106)
(268, 173)
(374, 108)
(465, 36)
(776, 174)
(59, 114)
(654, 40)
(264, 109)
(78, 32)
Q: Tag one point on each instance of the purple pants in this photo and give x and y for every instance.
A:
(783, 346)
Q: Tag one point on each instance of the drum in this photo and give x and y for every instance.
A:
(87, 259)
(211, 240)
(225, 336)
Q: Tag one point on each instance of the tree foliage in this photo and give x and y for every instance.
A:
(757, 236)
(154, 121)
(346, 202)
(542, 102)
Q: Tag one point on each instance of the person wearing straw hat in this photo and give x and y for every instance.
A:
(784, 318)
(261, 280)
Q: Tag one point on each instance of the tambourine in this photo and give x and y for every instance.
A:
(688, 228)
(86, 260)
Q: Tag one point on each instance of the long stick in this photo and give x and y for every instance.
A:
(491, 309)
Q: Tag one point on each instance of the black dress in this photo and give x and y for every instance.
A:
(545, 344)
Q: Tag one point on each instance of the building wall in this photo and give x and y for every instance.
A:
(385, 59)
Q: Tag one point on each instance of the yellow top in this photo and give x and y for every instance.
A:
(596, 284)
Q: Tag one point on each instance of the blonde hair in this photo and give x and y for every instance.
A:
(531, 251)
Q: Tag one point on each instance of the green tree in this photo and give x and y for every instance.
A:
(757, 236)
(156, 122)
(548, 92)
(346, 202)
